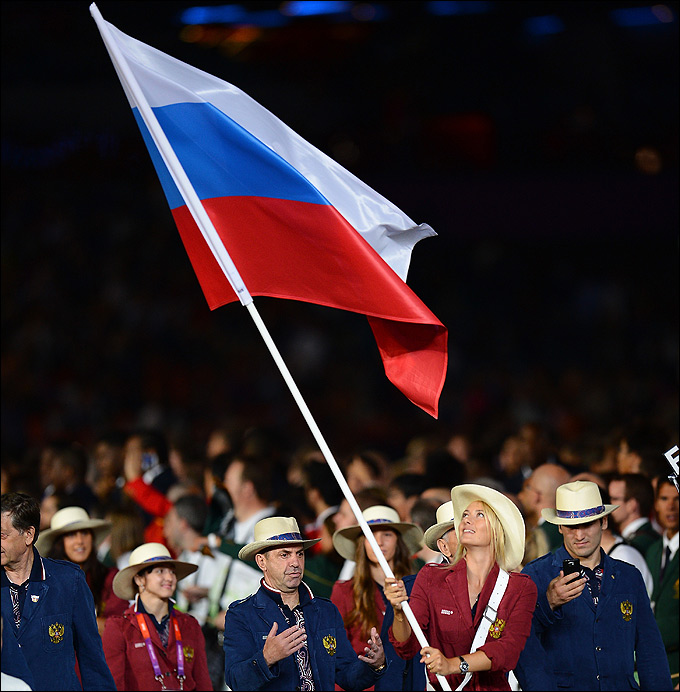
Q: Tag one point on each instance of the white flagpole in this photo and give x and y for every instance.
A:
(222, 256)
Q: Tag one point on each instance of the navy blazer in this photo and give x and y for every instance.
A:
(246, 626)
(58, 622)
(582, 647)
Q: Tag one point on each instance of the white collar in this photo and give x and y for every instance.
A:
(633, 526)
(672, 542)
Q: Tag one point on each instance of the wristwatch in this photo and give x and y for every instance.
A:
(464, 665)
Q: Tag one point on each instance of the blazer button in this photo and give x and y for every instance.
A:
(598, 648)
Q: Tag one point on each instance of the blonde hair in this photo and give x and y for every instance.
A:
(497, 534)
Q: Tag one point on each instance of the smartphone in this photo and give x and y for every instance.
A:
(572, 566)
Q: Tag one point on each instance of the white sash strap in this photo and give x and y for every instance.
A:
(489, 617)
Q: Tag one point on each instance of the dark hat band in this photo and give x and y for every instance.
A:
(286, 537)
(579, 514)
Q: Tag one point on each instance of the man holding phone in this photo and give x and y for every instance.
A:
(593, 627)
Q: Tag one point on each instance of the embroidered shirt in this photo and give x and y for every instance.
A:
(594, 577)
(296, 617)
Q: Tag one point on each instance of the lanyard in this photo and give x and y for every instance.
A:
(152, 651)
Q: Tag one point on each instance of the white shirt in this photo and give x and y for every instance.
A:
(210, 571)
(633, 526)
(672, 542)
(627, 553)
(9, 682)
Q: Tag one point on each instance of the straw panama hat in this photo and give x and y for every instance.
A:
(378, 516)
(506, 511)
(444, 523)
(273, 532)
(577, 502)
(71, 519)
(147, 555)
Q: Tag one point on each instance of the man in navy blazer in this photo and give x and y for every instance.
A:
(592, 632)
(282, 637)
(48, 607)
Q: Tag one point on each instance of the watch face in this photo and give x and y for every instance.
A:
(464, 666)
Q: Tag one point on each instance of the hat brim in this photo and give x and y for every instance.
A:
(550, 515)
(345, 540)
(100, 527)
(505, 509)
(435, 532)
(123, 582)
(249, 551)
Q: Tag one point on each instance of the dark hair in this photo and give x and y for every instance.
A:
(95, 571)
(258, 471)
(75, 458)
(153, 439)
(219, 464)
(442, 469)
(318, 474)
(639, 487)
(409, 484)
(194, 509)
(24, 511)
(424, 513)
(364, 614)
(660, 481)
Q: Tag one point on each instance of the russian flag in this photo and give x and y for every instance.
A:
(295, 223)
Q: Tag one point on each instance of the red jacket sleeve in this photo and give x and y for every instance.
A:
(113, 641)
(147, 497)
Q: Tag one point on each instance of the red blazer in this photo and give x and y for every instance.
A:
(129, 661)
(111, 604)
(441, 605)
(343, 597)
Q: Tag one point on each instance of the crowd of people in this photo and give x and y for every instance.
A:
(133, 564)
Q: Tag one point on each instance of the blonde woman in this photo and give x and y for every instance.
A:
(450, 601)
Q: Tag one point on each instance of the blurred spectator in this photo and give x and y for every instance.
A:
(323, 495)
(108, 457)
(222, 440)
(634, 495)
(460, 447)
(366, 469)
(662, 559)
(404, 491)
(216, 495)
(199, 594)
(69, 468)
(613, 544)
(148, 449)
(49, 506)
(513, 464)
(424, 515)
(442, 469)
(127, 532)
(538, 493)
(640, 445)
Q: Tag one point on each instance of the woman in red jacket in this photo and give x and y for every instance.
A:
(152, 646)
(360, 600)
(449, 602)
(75, 537)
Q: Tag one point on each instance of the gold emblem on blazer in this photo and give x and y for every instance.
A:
(329, 644)
(497, 628)
(56, 632)
(188, 653)
(627, 610)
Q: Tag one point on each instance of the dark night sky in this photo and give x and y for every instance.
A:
(555, 267)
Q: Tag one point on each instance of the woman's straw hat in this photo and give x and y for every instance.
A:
(68, 520)
(382, 517)
(577, 502)
(505, 509)
(147, 555)
(444, 523)
(274, 532)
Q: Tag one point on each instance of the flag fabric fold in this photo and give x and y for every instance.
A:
(295, 223)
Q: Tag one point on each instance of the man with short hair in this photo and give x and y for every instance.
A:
(48, 606)
(634, 495)
(282, 637)
(441, 536)
(662, 559)
(592, 631)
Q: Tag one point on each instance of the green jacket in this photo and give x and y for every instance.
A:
(665, 603)
(644, 538)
